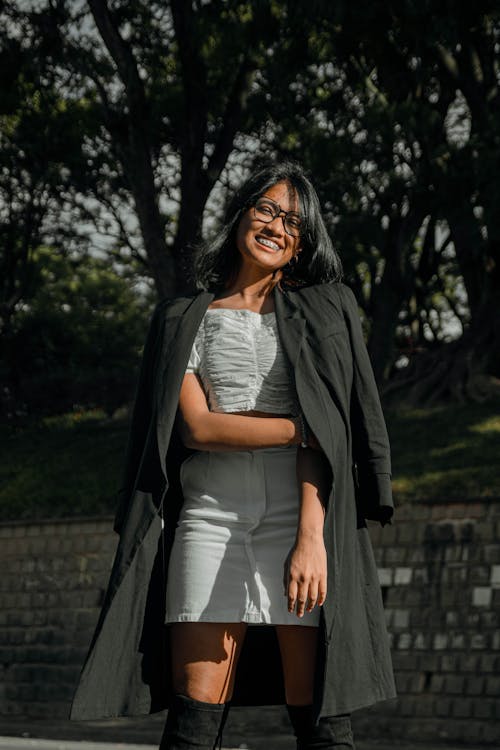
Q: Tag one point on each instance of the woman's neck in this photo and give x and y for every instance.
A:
(250, 291)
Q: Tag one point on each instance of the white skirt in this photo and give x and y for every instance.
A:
(237, 525)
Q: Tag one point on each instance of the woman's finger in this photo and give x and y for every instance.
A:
(286, 577)
(322, 591)
(313, 596)
(292, 595)
(302, 594)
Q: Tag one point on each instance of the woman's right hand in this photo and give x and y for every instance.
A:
(305, 574)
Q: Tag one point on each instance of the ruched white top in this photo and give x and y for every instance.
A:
(241, 363)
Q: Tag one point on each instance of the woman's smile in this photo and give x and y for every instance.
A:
(267, 243)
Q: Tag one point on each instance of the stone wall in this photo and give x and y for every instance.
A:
(439, 569)
(52, 581)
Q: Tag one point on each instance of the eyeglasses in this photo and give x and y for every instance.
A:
(267, 210)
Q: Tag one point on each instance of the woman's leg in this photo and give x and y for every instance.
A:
(204, 659)
(298, 646)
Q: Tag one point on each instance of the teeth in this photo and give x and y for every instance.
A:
(268, 243)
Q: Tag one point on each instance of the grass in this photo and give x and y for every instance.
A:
(68, 465)
(445, 453)
(71, 465)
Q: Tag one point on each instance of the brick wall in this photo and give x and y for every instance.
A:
(439, 569)
(52, 580)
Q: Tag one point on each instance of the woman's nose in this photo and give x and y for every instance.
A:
(277, 225)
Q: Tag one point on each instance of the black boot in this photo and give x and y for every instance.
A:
(193, 725)
(329, 732)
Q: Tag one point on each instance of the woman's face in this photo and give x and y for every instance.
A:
(267, 245)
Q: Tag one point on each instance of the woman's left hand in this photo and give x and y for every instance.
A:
(305, 574)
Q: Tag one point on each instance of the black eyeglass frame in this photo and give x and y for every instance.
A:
(278, 212)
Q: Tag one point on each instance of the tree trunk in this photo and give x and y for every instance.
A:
(395, 286)
(139, 171)
(467, 369)
(135, 153)
(189, 228)
(469, 249)
(386, 304)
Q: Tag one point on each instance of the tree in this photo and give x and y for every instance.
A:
(384, 107)
(77, 344)
(172, 87)
(40, 151)
(172, 103)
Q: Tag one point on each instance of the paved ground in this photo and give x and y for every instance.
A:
(17, 743)
(24, 743)
(144, 733)
(20, 743)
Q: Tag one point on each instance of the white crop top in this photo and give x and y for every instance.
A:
(241, 363)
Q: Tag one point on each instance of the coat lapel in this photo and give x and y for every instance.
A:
(291, 325)
(310, 390)
(179, 334)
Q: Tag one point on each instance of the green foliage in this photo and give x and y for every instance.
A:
(41, 153)
(77, 343)
(133, 120)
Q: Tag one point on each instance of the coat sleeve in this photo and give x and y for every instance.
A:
(371, 449)
(142, 414)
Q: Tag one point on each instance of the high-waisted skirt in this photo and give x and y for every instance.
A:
(236, 528)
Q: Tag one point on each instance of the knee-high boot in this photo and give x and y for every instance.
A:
(329, 732)
(193, 725)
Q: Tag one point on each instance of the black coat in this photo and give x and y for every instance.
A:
(127, 668)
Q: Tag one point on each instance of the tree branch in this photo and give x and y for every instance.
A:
(235, 107)
(448, 62)
(194, 74)
(121, 54)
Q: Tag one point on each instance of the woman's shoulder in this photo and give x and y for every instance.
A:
(326, 305)
(171, 307)
(332, 291)
(174, 304)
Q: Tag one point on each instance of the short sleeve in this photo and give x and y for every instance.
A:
(193, 364)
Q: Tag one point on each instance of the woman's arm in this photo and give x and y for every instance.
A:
(305, 577)
(202, 429)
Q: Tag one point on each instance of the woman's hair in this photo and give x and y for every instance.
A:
(217, 260)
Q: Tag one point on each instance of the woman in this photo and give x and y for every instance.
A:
(263, 382)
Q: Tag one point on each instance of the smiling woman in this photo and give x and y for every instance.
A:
(281, 187)
(263, 237)
(249, 427)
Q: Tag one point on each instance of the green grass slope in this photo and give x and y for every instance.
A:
(63, 466)
(446, 453)
(71, 465)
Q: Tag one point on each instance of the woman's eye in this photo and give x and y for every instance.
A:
(265, 210)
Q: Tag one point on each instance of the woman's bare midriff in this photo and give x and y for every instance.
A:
(255, 413)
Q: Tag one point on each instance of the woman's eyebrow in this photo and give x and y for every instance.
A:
(292, 211)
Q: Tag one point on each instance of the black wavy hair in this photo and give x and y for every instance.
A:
(217, 260)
